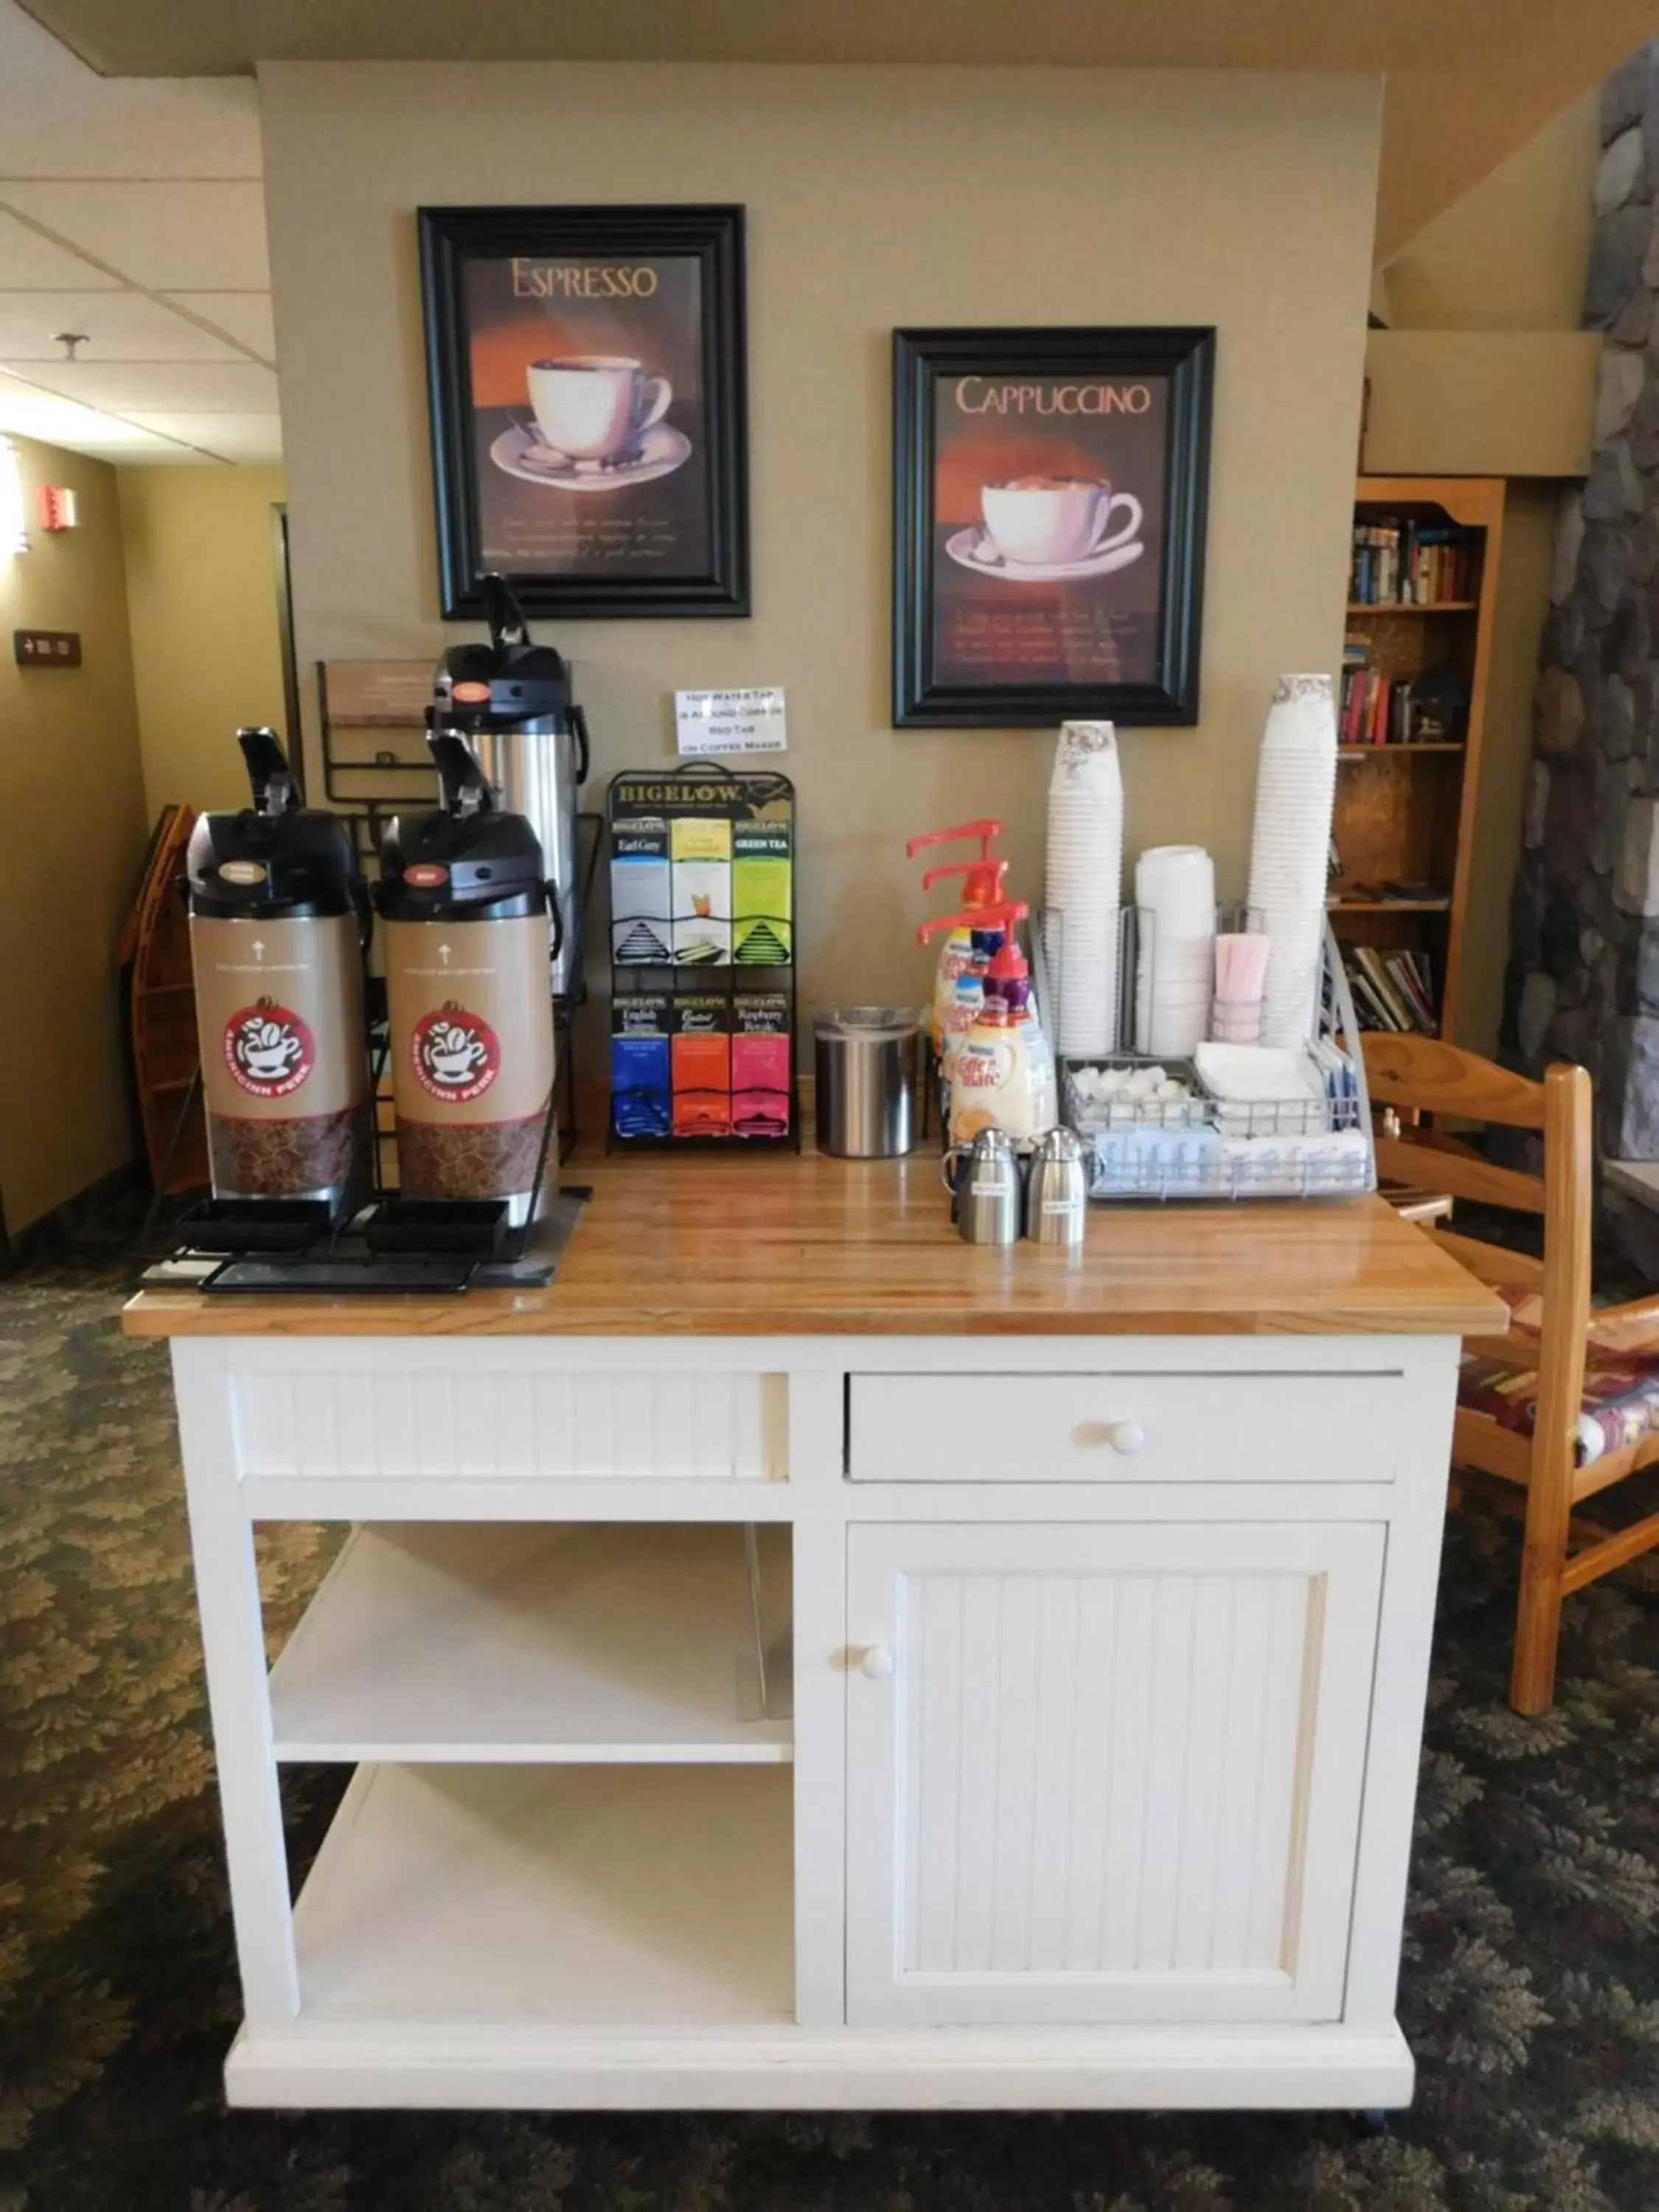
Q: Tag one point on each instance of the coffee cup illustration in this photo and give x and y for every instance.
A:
(269, 1050)
(454, 1052)
(596, 407)
(1044, 522)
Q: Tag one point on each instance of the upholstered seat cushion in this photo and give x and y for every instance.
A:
(1620, 1406)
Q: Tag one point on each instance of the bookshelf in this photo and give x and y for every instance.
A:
(1405, 805)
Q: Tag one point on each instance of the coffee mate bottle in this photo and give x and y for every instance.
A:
(470, 1011)
(996, 1080)
(278, 918)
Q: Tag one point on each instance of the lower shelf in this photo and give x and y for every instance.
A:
(435, 1641)
(514, 1896)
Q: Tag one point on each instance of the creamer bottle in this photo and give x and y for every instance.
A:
(967, 999)
(1008, 977)
(995, 1081)
(983, 887)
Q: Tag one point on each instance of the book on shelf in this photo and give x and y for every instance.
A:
(1398, 562)
(1392, 990)
(1375, 709)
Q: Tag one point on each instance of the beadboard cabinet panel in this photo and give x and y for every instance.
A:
(1105, 1773)
(404, 1415)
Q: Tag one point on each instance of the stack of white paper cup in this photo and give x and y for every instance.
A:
(1083, 893)
(1295, 788)
(1175, 955)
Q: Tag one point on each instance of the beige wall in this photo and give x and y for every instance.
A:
(72, 827)
(1509, 255)
(1509, 258)
(202, 596)
(877, 197)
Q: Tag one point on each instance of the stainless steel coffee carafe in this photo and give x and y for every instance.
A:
(511, 700)
(1057, 1191)
(989, 1191)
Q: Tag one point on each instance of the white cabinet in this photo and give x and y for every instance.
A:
(1105, 1773)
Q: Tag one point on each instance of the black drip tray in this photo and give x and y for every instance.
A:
(452, 1228)
(255, 1224)
(329, 1276)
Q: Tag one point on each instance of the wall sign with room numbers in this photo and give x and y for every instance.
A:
(46, 649)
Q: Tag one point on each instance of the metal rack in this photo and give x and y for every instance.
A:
(730, 981)
(1204, 1147)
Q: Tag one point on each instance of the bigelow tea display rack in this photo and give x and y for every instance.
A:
(1198, 1145)
(702, 959)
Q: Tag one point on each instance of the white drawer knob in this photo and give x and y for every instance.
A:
(877, 1663)
(1128, 1437)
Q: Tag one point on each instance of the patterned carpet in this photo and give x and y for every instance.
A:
(1531, 1990)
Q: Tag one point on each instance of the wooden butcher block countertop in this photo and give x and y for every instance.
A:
(728, 1246)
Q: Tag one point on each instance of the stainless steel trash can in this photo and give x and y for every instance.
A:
(865, 1061)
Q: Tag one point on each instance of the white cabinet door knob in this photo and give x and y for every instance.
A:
(877, 1663)
(1128, 1437)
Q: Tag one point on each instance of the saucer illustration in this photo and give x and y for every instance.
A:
(520, 453)
(973, 548)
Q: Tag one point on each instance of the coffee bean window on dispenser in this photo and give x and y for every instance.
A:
(702, 933)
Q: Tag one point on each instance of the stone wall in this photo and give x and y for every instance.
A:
(1583, 977)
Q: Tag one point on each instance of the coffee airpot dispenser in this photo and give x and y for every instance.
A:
(511, 700)
(279, 920)
(465, 917)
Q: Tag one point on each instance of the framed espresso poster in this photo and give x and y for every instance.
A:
(586, 373)
(1048, 524)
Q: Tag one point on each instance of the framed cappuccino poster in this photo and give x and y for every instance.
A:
(1048, 524)
(586, 372)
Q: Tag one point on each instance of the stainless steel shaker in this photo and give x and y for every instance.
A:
(989, 1190)
(1057, 1191)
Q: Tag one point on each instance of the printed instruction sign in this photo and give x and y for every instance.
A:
(746, 721)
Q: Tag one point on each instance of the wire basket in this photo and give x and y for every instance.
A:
(1317, 1145)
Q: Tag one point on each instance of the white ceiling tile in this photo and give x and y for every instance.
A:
(160, 452)
(118, 326)
(237, 437)
(245, 315)
(167, 237)
(182, 387)
(33, 262)
(145, 445)
(27, 414)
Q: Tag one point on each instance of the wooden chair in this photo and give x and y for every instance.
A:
(1543, 1474)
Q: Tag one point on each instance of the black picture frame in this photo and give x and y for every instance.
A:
(713, 577)
(925, 696)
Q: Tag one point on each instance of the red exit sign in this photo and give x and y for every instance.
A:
(46, 649)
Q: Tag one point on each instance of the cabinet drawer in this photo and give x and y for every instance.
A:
(1124, 1428)
(374, 1409)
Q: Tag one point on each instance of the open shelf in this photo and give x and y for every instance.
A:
(462, 1642)
(1400, 752)
(602, 1897)
(1412, 606)
(1441, 905)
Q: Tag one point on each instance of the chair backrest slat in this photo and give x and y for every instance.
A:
(1493, 1263)
(1462, 1173)
(1432, 1077)
(1421, 1075)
